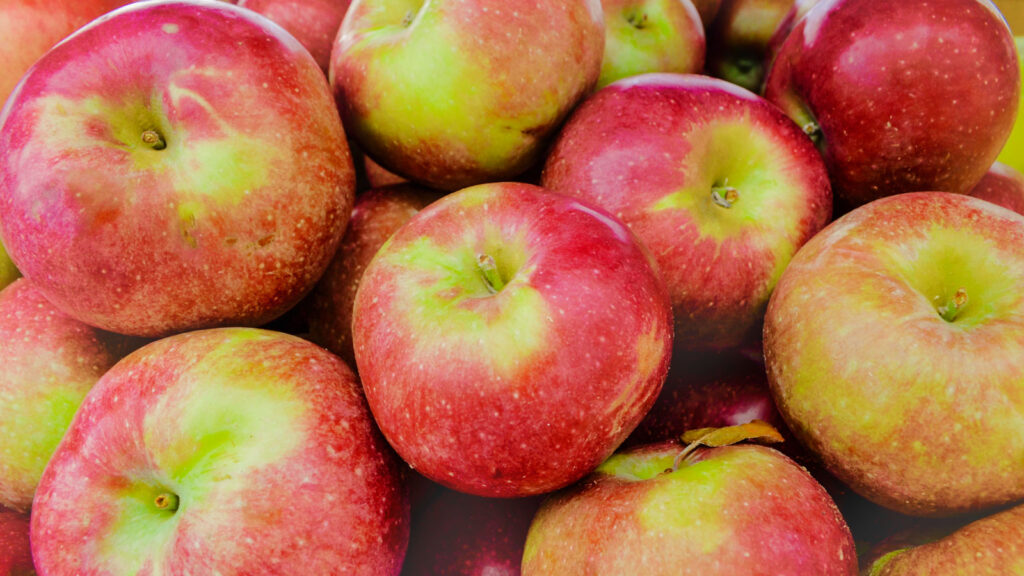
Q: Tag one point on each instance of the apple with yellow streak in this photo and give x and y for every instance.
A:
(509, 338)
(196, 170)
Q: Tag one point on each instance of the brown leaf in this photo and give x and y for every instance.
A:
(757, 431)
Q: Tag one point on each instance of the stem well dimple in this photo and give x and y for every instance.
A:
(952, 308)
(489, 270)
(154, 140)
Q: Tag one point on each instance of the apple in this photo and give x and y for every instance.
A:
(15, 553)
(377, 214)
(509, 339)
(741, 509)
(8, 271)
(451, 93)
(31, 27)
(797, 10)
(714, 180)
(227, 450)
(738, 40)
(900, 96)
(707, 9)
(1001, 185)
(991, 546)
(651, 36)
(197, 173)
(50, 361)
(1012, 153)
(456, 534)
(314, 23)
(894, 346)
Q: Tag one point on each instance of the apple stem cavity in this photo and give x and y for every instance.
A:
(724, 195)
(954, 306)
(489, 269)
(153, 139)
(166, 501)
(638, 21)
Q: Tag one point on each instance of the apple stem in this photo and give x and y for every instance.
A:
(638, 21)
(724, 195)
(153, 138)
(681, 457)
(407, 20)
(489, 268)
(954, 306)
(167, 501)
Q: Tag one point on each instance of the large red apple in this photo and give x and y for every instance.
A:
(223, 451)
(900, 95)
(509, 338)
(894, 345)
(714, 180)
(196, 171)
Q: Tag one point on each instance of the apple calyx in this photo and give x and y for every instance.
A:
(489, 269)
(753, 431)
(724, 195)
(166, 501)
(637, 20)
(950, 310)
(154, 140)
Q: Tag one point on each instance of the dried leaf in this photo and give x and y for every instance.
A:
(757, 430)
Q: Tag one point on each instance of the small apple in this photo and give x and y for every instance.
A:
(714, 180)
(197, 173)
(15, 552)
(741, 509)
(651, 36)
(509, 339)
(223, 451)
(1001, 185)
(894, 345)
(451, 93)
(1013, 151)
(739, 37)
(314, 23)
(50, 361)
(900, 95)
(377, 214)
(456, 534)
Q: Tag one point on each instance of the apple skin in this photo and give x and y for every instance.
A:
(651, 148)
(252, 434)
(707, 9)
(651, 36)
(451, 93)
(31, 27)
(50, 361)
(741, 509)
(991, 546)
(890, 91)
(1001, 185)
(15, 551)
(798, 10)
(8, 271)
(377, 214)
(1012, 153)
(480, 391)
(915, 412)
(456, 534)
(314, 23)
(232, 222)
(739, 37)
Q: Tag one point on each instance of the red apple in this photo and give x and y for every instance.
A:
(223, 451)
(651, 36)
(15, 553)
(450, 93)
(50, 361)
(894, 345)
(455, 534)
(714, 180)
(900, 95)
(1001, 185)
(377, 214)
(196, 171)
(314, 23)
(509, 339)
(722, 511)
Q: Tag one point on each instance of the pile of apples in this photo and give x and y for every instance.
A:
(482, 287)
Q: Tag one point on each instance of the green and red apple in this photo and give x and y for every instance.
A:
(451, 93)
(509, 339)
(894, 345)
(714, 180)
(223, 451)
(900, 95)
(50, 361)
(738, 40)
(197, 173)
(741, 509)
(651, 36)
